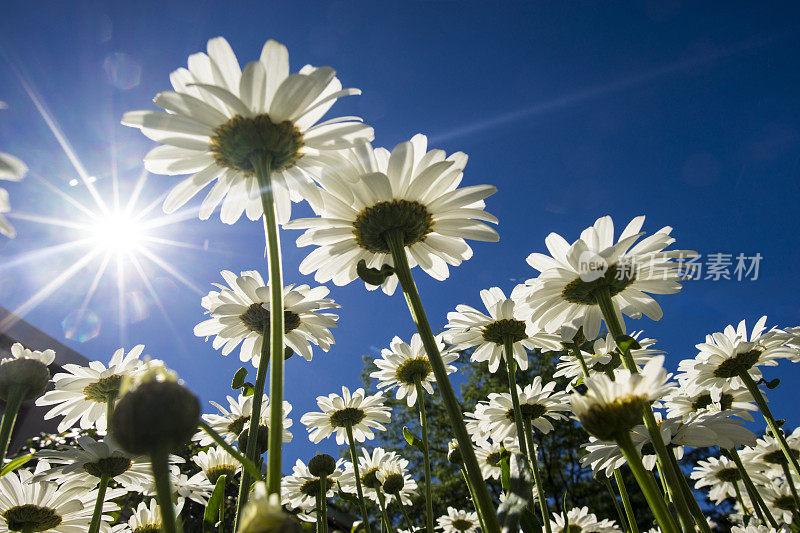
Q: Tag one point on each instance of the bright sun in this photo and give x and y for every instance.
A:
(118, 232)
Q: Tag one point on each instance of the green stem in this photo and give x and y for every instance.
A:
(626, 501)
(395, 243)
(607, 484)
(752, 490)
(664, 486)
(13, 403)
(537, 478)
(246, 463)
(94, 525)
(744, 375)
(423, 420)
(788, 475)
(511, 367)
(472, 496)
(739, 498)
(576, 352)
(322, 502)
(647, 484)
(160, 465)
(221, 516)
(263, 174)
(354, 457)
(409, 524)
(694, 507)
(251, 450)
(382, 504)
(603, 298)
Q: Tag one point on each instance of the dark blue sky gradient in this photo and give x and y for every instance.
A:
(687, 113)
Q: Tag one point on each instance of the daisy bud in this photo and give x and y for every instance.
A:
(264, 514)
(156, 415)
(25, 373)
(262, 438)
(454, 454)
(322, 465)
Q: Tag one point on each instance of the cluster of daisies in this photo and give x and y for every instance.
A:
(255, 136)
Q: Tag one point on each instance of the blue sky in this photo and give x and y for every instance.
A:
(685, 112)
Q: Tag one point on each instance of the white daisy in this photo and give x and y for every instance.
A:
(230, 422)
(240, 314)
(468, 328)
(606, 455)
(369, 464)
(611, 407)
(396, 481)
(540, 403)
(604, 357)
(357, 411)
(713, 428)
(727, 353)
(196, 488)
(683, 401)
(767, 453)
(489, 455)
(720, 474)
(456, 521)
(777, 494)
(82, 394)
(580, 520)
(27, 505)
(18, 351)
(301, 489)
(409, 197)
(216, 462)
(11, 169)
(753, 527)
(402, 366)
(146, 517)
(220, 119)
(566, 289)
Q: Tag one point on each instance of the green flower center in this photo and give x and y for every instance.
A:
(573, 529)
(370, 478)
(462, 525)
(393, 483)
(616, 279)
(494, 458)
(30, 517)
(729, 475)
(531, 411)
(704, 400)
(410, 219)
(785, 503)
(611, 365)
(148, 528)
(256, 319)
(777, 457)
(238, 143)
(311, 487)
(110, 466)
(349, 416)
(497, 331)
(104, 389)
(215, 472)
(741, 362)
(414, 369)
(606, 421)
(237, 425)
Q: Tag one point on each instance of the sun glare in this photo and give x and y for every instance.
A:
(118, 232)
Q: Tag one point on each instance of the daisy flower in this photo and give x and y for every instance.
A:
(240, 314)
(720, 475)
(369, 464)
(356, 411)
(611, 407)
(766, 452)
(778, 496)
(146, 517)
(196, 488)
(230, 422)
(580, 520)
(221, 119)
(489, 455)
(409, 197)
(82, 394)
(606, 455)
(396, 481)
(684, 402)
(216, 462)
(726, 354)
(467, 328)
(713, 428)
(27, 505)
(570, 279)
(18, 351)
(540, 403)
(402, 366)
(604, 357)
(456, 521)
(301, 489)
(11, 169)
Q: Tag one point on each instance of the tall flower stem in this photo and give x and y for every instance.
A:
(354, 457)
(94, 525)
(739, 498)
(647, 484)
(322, 505)
(251, 450)
(744, 375)
(752, 490)
(482, 499)
(423, 420)
(694, 507)
(13, 403)
(788, 475)
(626, 501)
(160, 465)
(537, 478)
(382, 504)
(409, 523)
(607, 484)
(511, 368)
(603, 298)
(246, 463)
(263, 174)
(472, 496)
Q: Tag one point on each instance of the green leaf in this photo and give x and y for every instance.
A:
(211, 514)
(505, 473)
(248, 389)
(238, 378)
(373, 276)
(626, 342)
(412, 439)
(578, 382)
(15, 464)
(346, 496)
